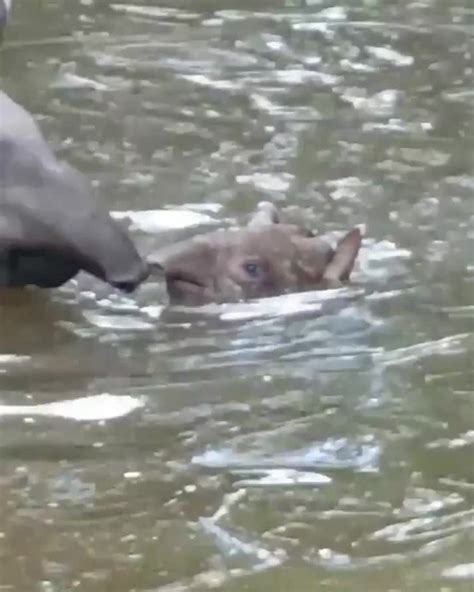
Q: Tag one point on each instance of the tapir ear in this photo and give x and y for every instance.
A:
(265, 215)
(344, 258)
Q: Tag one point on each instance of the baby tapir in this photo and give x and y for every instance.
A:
(51, 226)
(265, 258)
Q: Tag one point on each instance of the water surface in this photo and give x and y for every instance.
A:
(318, 440)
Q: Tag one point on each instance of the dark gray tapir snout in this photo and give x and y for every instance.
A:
(51, 224)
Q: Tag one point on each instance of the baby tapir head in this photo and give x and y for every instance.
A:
(265, 258)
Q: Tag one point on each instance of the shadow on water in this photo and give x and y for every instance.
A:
(322, 437)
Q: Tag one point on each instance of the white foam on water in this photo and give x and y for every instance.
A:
(93, 408)
(151, 221)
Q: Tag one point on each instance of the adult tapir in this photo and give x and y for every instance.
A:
(265, 258)
(51, 224)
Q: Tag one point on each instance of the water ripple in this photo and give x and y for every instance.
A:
(321, 436)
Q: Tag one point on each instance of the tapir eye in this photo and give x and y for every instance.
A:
(253, 269)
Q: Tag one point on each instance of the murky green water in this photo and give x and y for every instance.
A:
(314, 441)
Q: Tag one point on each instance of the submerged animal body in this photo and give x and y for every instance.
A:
(265, 258)
(51, 226)
(5, 10)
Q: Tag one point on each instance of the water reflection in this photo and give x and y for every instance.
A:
(317, 437)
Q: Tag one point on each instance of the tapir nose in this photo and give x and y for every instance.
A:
(129, 284)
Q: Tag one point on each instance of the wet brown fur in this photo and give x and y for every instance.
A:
(265, 258)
